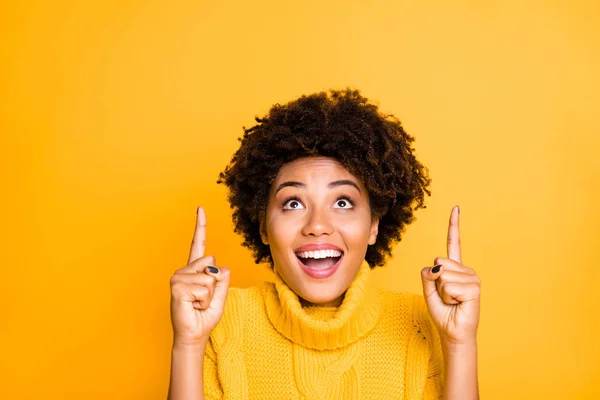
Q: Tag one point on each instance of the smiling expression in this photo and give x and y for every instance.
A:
(318, 225)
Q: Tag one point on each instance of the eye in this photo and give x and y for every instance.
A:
(292, 204)
(344, 203)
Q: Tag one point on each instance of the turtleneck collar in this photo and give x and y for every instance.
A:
(325, 328)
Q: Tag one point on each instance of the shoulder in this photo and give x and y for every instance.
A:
(408, 310)
(242, 306)
(243, 302)
(237, 297)
(410, 303)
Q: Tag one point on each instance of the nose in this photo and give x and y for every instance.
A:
(317, 223)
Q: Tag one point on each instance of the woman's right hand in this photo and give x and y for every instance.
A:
(197, 294)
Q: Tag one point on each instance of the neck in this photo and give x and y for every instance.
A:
(333, 303)
(324, 326)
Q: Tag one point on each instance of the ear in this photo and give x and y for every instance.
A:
(373, 231)
(263, 230)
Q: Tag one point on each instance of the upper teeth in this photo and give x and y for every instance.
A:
(319, 254)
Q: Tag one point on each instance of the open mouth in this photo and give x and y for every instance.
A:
(319, 260)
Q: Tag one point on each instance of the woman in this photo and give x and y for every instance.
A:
(321, 189)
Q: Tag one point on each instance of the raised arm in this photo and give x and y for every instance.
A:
(198, 294)
(452, 293)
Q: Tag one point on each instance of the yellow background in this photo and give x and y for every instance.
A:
(117, 117)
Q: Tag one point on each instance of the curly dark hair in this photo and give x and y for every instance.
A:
(346, 127)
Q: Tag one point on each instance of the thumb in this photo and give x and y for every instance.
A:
(428, 278)
(221, 276)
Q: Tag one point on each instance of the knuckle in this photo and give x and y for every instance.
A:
(176, 287)
(180, 270)
(210, 259)
(224, 273)
(475, 291)
(440, 286)
(202, 278)
(200, 282)
(209, 280)
(447, 287)
(203, 292)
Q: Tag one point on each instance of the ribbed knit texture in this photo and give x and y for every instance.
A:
(376, 345)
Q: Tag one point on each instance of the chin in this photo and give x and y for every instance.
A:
(319, 299)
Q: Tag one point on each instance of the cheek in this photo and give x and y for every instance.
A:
(355, 231)
(281, 231)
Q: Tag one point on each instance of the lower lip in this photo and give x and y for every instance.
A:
(320, 273)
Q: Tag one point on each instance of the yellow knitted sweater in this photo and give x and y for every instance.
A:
(376, 345)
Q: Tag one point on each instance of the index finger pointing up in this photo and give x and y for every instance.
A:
(199, 240)
(454, 237)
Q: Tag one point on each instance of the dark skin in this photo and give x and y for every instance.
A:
(452, 295)
(341, 125)
(198, 299)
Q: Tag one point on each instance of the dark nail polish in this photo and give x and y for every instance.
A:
(213, 270)
(458, 208)
(436, 269)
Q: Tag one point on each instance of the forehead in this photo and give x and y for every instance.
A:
(309, 168)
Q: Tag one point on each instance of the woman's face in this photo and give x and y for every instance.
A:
(318, 226)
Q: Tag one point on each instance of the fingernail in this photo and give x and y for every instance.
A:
(458, 208)
(436, 269)
(213, 270)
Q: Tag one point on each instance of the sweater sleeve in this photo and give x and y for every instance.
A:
(212, 386)
(434, 385)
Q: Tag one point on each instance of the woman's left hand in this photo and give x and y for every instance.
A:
(452, 293)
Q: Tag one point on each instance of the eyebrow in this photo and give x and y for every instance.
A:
(330, 185)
